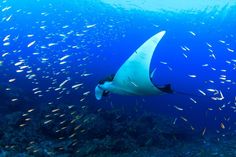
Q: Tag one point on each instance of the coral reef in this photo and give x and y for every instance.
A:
(66, 132)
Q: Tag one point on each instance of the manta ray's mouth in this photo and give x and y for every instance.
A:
(98, 92)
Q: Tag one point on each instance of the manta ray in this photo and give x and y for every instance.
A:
(134, 77)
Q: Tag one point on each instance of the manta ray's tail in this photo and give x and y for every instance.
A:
(168, 89)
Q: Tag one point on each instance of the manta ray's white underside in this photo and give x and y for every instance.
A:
(133, 77)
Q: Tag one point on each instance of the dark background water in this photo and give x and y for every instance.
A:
(104, 47)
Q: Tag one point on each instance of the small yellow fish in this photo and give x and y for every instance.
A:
(204, 131)
(27, 119)
(76, 128)
(72, 135)
(48, 121)
(222, 125)
(184, 119)
(61, 138)
(99, 110)
(82, 131)
(22, 125)
(30, 110)
(63, 128)
(55, 110)
(192, 128)
(25, 114)
(178, 108)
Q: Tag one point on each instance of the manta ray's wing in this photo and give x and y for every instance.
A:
(134, 76)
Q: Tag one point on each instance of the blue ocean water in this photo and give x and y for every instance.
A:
(53, 54)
